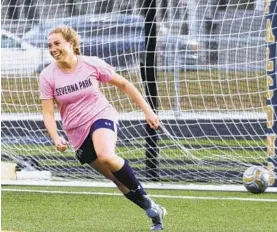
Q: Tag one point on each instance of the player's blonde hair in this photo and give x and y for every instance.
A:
(70, 35)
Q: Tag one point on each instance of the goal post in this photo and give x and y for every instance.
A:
(214, 85)
(271, 62)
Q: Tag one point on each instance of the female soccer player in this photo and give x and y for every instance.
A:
(90, 122)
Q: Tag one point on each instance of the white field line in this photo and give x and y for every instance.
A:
(152, 195)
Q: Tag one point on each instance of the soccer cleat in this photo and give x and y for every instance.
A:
(156, 213)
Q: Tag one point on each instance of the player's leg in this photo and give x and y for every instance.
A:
(156, 218)
(104, 141)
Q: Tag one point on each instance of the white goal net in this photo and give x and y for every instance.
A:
(210, 82)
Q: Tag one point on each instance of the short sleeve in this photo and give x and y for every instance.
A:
(105, 71)
(45, 88)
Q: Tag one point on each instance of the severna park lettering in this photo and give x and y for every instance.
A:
(74, 87)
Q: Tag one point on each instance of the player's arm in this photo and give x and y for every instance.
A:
(128, 88)
(48, 112)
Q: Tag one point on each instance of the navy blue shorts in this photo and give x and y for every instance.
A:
(86, 153)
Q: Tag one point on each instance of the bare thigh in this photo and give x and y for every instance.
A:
(104, 141)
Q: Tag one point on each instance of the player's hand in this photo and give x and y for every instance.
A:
(152, 119)
(60, 144)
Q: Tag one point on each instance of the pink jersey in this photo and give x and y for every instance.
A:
(78, 95)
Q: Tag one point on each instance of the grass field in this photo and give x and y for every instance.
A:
(67, 209)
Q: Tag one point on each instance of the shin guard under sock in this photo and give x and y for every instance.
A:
(143, 201)
(127, 177)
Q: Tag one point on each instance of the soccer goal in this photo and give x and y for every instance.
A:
(208, 68)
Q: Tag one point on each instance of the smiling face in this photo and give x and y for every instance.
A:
(60, 49)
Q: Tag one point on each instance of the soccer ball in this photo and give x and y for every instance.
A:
(256, 179)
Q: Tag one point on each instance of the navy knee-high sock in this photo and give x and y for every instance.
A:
(137, 194)
(143, 201)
